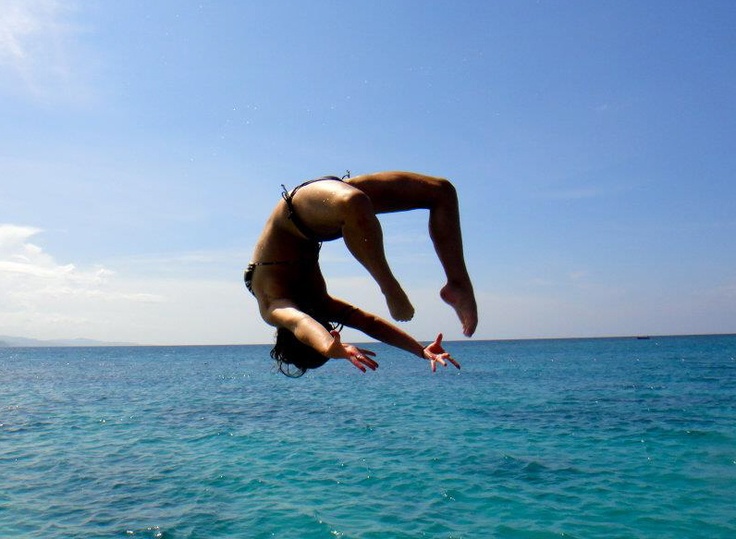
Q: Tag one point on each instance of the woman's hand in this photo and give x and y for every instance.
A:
(356, 356)
(436, 354)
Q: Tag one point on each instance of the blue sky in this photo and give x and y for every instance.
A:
(142, 145)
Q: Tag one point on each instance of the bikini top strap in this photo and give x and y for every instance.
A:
(294, 216)
(308, 182)
(287, 196)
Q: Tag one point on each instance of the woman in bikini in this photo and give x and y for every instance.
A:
(285, 277)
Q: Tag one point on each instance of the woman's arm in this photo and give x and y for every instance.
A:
(283, 313)
(384, 331)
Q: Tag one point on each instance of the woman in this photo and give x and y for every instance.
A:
(285, 277)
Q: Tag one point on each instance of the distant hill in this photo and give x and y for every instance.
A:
(20, 342)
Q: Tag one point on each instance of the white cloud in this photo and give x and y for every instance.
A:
(44, 299)
(12, 236)
(31, 274)
(36, 48)
(35, 290)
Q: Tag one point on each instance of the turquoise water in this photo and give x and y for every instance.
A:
(532, 439)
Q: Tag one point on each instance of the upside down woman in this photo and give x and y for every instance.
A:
(286, 280)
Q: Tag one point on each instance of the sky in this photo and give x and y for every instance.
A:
(592, 144)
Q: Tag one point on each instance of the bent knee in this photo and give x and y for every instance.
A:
(443, 191)
(445, 186)
(355, 202)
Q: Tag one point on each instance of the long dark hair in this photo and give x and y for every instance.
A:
(293, 357)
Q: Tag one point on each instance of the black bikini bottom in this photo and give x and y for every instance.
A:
(251, 269)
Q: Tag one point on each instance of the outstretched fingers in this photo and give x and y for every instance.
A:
(359, 357)
(361, 360)
(436, 353)
(443, 359)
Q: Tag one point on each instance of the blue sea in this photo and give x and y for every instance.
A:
(589, 438)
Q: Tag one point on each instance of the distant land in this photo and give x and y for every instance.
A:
(22, 342)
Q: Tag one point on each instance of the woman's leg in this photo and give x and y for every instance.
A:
(402, 191)
(364, 239)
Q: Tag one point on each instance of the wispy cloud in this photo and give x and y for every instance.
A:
(43, 298)
(36, 48)
(30, 274)
(35, 287)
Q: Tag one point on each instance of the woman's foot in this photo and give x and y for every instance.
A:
(462, 299)
(399, 305)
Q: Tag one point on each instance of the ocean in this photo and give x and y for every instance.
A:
(588, 438)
